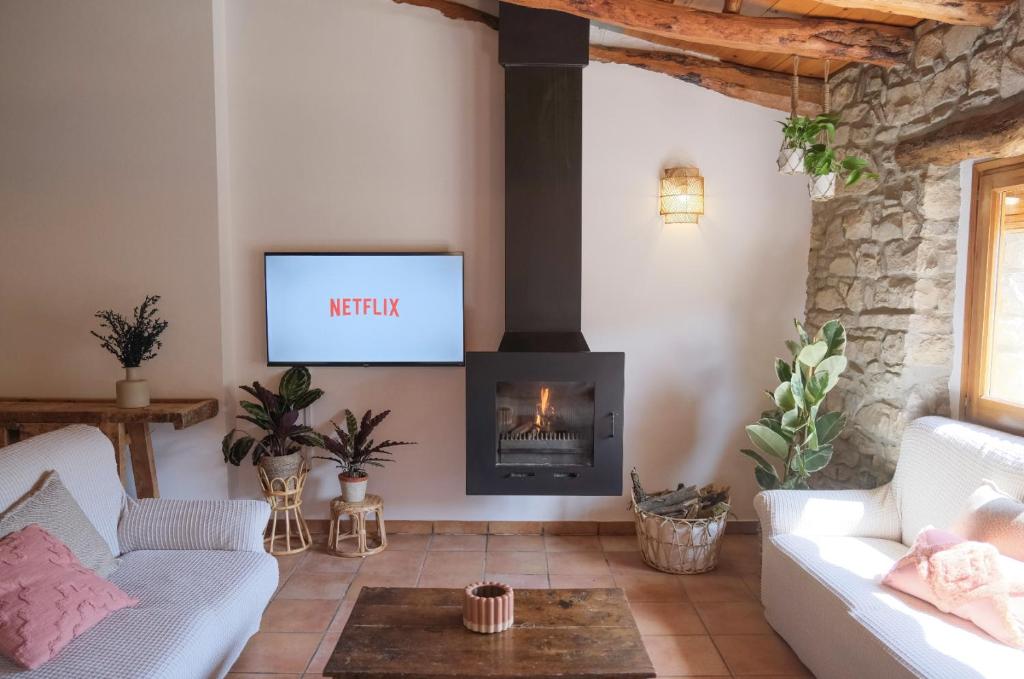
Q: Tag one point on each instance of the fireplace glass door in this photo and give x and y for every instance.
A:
(545, 424)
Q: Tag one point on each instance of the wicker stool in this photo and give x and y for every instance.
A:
(285, 498)
(357, 513)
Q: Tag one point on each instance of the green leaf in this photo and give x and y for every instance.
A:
(797, 385)
(351, 424)
(307, 399)
(775, 424)
(794, 482)
(294, 383)
(768, 479)
(812, 354)
(829, 426)
(801, 333)
(815, 391)
(817, 459)
(791, 420)
(239, 449)
(258, 414)
(756, 457)
(834, 366)
(783, 396)
(834, 334)
(768, 441)
(783, 370)
(794, 347)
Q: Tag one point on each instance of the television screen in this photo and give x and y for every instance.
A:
(364, 309)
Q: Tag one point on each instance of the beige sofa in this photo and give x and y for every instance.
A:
(824, 553)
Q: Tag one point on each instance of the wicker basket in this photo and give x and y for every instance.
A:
(682, 546)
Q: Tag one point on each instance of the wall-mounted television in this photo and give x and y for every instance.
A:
(364, 308)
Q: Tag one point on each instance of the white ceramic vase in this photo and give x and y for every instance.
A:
(132, 391)
(791, 161)
(822, 187)
(353, 488)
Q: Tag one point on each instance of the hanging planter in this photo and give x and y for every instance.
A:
(795, 133)
(791, 160)
(822, 187)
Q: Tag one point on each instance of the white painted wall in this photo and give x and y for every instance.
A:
(368, 125)
(108, 192)
(164, 146)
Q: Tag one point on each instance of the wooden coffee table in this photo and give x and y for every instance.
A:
(411, 633)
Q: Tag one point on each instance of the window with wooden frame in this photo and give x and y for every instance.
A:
(992, 389)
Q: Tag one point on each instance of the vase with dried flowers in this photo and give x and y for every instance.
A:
(132, 341)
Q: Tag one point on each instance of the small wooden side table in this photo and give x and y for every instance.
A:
(21, 418)
(357, 513)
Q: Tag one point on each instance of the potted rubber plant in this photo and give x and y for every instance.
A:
(278, 446)
(352, 449)
(132, 341)
(794, 438)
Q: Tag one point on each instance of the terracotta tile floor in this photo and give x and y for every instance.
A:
(693, 626)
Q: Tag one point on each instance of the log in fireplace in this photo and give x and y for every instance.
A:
(543, 413)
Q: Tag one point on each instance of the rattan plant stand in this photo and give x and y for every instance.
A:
(357, 513)
(681, 546)
(287, 532)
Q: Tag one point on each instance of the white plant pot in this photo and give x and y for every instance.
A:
(791, 161)
(353, 489)
(132, 391)
(822, 187)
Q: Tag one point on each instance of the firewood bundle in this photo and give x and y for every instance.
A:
(685, 502)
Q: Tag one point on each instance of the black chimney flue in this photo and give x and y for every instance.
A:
(543, 54)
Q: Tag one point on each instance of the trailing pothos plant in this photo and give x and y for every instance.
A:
(276, 416)
(816, 137)
(800, 132)
(353, 450)
(794, 438)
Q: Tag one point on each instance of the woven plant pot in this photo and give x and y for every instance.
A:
(681, 546)
(281, 467)
(791, 161)
(822, 187)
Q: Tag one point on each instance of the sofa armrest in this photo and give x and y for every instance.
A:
(852, 513)
(226, 525)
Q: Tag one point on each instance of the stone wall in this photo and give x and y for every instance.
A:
(883, 254)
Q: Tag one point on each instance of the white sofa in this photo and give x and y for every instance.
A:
(824, 553)
(198, 568)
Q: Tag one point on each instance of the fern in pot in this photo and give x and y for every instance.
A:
(278, 447)
(794, 438)
(352, 449)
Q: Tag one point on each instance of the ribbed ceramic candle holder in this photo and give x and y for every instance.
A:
(487, 607)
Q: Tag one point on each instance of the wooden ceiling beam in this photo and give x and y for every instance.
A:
(455, 10)
(990, 131)
(807, 36)
(758, 86)
(968, 12)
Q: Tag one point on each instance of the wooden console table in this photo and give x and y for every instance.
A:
(125, 427)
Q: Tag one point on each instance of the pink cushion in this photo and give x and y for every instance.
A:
(996, 518)
(47, 597)
(970, 580)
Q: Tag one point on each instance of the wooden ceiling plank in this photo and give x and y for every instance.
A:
(758, 86)
(818, 38)
(455, 10)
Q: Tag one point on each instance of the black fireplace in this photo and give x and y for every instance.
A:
(543, 413)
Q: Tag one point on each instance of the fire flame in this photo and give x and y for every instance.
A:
(544, 393)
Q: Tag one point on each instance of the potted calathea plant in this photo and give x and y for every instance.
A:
(276, 415)
(132, 341)
(353, 450)
(794, 438)
(798, 134)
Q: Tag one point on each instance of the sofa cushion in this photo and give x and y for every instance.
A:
(942, 462)
(925, 641)
(197, 609)
(996, 518)
(52, 508)
(84, 458)
(47, 597)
